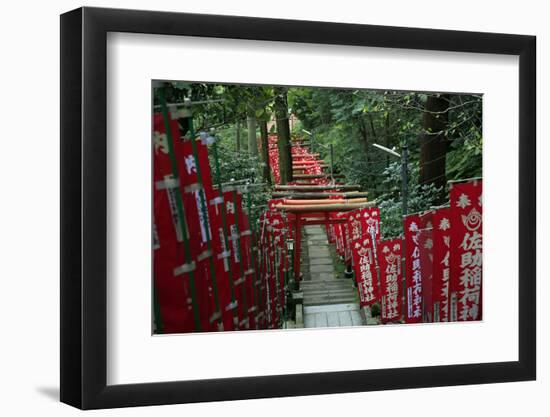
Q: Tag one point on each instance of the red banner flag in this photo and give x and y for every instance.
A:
(391, 279)
(364, 222)
(411, 226)
(173, 295)
(425, 243)
(275, 264)
(191, 233)
(441, 263)
(365, 271)
(249, 267)
(221, 247)
(466, 250)
(238, 268)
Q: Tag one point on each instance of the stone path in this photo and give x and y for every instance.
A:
(328, 300)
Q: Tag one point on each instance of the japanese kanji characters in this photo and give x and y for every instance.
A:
(391, 279)
(413, 298)
(466, 250)
(441, 263)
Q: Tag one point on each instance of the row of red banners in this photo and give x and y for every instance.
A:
(212, 272)
(433, 274)
(208, 272)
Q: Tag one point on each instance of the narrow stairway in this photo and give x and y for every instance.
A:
(328, 300)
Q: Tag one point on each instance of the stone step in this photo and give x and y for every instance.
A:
(331, 308)
(320, 276)
(318, 251)
(328, 282)
(318, 261)
(328, 294)
(332, 315)
(317, 301)
(314, 229)
(322, 284)
(317, 242)
(316, 269)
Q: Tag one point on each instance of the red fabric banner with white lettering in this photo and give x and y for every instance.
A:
(363, 227)
(232, 207)
(193, 258)
(365, 271)
(391, 279)
(466, 250)
(174, 295)
(441, 263)
(413, 296)
(425, 243)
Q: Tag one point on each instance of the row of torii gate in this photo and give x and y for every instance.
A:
(313, 196)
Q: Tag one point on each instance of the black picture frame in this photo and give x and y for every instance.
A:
(84, 207)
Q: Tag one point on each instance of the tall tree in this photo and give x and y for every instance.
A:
(238, 134)
(283, 134)
(266, 172)
(433, 141)
(251, 128)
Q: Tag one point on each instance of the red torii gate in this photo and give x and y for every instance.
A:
(314, 214)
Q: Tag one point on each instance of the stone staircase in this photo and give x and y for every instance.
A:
(321, 292)
(329, 300)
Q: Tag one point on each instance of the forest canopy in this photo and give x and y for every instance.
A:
(441, 134)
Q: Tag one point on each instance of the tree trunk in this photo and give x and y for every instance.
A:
(366, 144)
(433, 142)
(387, 143)
(238, 146)
(252, 139)
(283, 134)
(265, 151)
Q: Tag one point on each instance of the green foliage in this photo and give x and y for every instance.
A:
(236, 166)
(349, 122)
(420, 198)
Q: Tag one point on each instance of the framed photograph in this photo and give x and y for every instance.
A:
(257, 208)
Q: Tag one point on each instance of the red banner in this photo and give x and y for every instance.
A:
(274, 264)
(173, 295)
(425, 243)
(466, 250)
(249, 267)
(411, 226)
(221, 247)
(192, 254)
(365, 271)
(233, 208)
(441, 263)
(391, 279)
(364, 222)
